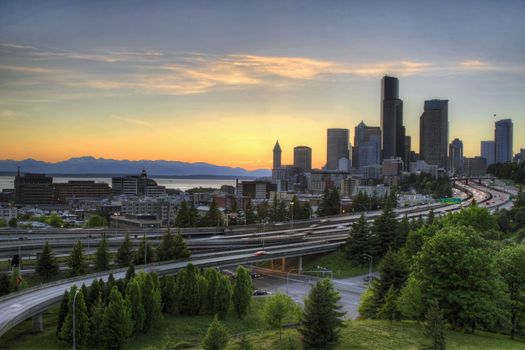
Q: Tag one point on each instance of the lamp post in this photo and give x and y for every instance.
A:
(370, 262)
(74, 317)
(292, 203)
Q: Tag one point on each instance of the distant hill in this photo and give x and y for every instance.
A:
(99, 166)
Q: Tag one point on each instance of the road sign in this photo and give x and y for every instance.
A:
(19, 280)
(452, 200)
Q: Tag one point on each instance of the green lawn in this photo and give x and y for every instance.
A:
(190, 330)
(336, 261)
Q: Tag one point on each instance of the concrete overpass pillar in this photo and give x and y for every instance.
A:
(37, 323)
(300, 265)
(283, 264)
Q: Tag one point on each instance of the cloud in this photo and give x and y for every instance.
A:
(474, 64)
(133, 121)
(26, 69)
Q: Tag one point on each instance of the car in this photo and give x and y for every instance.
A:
(313, 226)
(323, 221)
(255, 275)
(368, 278)
(261, 292)
(340, 227)
(259, 253)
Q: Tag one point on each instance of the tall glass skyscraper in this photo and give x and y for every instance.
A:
(503, 134)
(393, 131)
(433, 133)
(487, 151)
(338, 143)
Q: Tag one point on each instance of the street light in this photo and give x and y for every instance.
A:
(74, 302)
(292, 203)
(370, 262)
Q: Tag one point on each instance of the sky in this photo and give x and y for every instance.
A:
(221, 81)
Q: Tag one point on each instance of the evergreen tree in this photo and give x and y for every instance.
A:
(402, 230)
(152, 302)
(244, 344)
(102, 255)
(388, 310)
(76, 260)
(125, 253)
(194, 216)
(307, 210)
(110, 283)
(96, 331)
(242, 291)
(46, 265)
(117, 323)
(150, 253)
(263, 211)
(321, 320)
(130, 273)
(85, 292)
(202, 283)
(384, 228)
(62, 313)
(168, 295)
(430, 217)
(5, 284)
(410, 301)
(81, 319)
(181, 250)
(435, 329)
(95, 293)
(223, 297)
(212, 277)
(166, 248)
(216, 337)
(249, 214)
(135, 299)
(183, 216)
(212, 217)
(188, 295)
(358, 241)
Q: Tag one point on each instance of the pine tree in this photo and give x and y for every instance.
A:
(321, 319)
(435, 329)
(193, 216)
(152, 302)
(134, 298)
(62, 313)
(212, 217)
(216, 337)
(110, 283)
(166, 248)
(430, 217)
(117, 322)
(249, 214)
(202, 283)
(168, 295)
(402, 230)
(385, 228)
(102, 256)
(212, 276)
(96, 334)
(223, 297)
(95, 292)
(125, 253)
(76, 260)
(130, 273)
(5, 284)
(188, 296)
(183, 216)
(388, 310)
(307, 209)
(358, 241)
(150, 253)
(181, 250)
(242, 292)
(81, 319)
(46, 265)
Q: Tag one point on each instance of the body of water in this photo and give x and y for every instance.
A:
(182, 184)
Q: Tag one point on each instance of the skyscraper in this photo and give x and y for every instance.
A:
(503, 141)
(487, 151)
(367, 146)
(455, 151)
(302, 158)
(337, 147)
(393, 131)
(433, 133)
(277, 155)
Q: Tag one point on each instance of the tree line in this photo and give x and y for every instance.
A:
(509, 171)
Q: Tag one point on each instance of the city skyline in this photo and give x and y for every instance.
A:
(190, 86)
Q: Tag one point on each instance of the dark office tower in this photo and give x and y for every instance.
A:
(277, 156)
(433, 133)
(503, 141)
(302, 158)
(487, 151)
(455, 151)
(408, 149)
(392, 128)
(33, 189)
(337, 148)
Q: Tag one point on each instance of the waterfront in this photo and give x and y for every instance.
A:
(170, 183)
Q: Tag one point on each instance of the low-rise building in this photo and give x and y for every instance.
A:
(80, 190)
(420, 166)
(256, 189)
(162, 209)
(8, 213)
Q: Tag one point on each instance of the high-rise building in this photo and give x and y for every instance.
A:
(302, 158)
(433, 133)
(408, 149)
(475, 166)
(393, 131)
(487, 151)
(80, 190)
(337, 148)
(367, 146)
(503, 141)
(455, 151)
(277, 155)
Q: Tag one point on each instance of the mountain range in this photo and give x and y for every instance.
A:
(101, 166)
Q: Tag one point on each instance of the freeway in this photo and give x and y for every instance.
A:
(324, 236)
